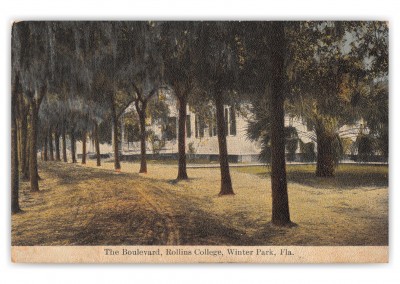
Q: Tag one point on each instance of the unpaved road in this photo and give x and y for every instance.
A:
(84, 206)
(80, 205)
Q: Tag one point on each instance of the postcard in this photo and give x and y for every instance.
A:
(199, 141)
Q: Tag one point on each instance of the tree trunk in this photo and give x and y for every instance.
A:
(84, 148)
(182, 174)
(117, 164)
(73, 147)
(19, 141)
(226, 183)
(27, 155)
(51, 145)
(64, 145)
(142, 118)
(96, 137)
(14, 158)
(45, 149)
(325, 152)
(57, 142)
(280, 200)
(33, 170)
(24, 139)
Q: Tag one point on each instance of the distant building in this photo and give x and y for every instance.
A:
(201, 135)
(202, 140)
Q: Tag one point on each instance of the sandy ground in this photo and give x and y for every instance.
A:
(86, 205)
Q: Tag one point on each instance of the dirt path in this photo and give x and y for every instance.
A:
(164, 210)
(85, 206)
(95, 206)
(78, 206)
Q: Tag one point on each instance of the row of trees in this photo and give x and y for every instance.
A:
(336, 75)
(69, 78)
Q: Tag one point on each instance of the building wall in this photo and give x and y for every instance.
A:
(238, 144)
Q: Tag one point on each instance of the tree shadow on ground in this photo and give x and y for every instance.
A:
(179, 181)
(346, 177)
(113, 215)
(270, 231)
(121, 217)
(341, 180)
(138, 227)
(200, 228)
(78, 174)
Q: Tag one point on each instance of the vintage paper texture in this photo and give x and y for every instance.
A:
(202, 254)
(182, 142)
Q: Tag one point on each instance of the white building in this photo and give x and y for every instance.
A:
(201, 135)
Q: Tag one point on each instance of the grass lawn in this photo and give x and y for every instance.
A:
(189, 161)
(86, 205)
(346, 175)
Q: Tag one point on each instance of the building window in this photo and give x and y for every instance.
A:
(196, 126)
(202, 126)
(199, 126)
(210, 128)
(233, 122)
(170, 129)
(188, 127)
(212, 125)
(196, 134)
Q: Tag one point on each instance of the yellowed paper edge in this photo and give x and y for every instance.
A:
(199, 254)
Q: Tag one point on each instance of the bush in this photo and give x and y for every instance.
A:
(191, 149)
(156, 143)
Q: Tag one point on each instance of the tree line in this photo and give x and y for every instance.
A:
(70, 78)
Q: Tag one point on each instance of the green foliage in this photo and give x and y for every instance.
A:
(258, 130)
(132, 129)
(347, 176)
(347, 144)
(258, 127)
(332, 70)
(377, 116)
(178, 47)
(365, 147)
(158, 110)
(218, 62)
(265, 154)
(323, 74)
(338, 149)
(191, 148)
(104, 130)
(308, 150)
(156, 143)
(337, 72)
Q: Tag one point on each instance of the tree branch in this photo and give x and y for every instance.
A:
(125, 107)
(137, 91)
